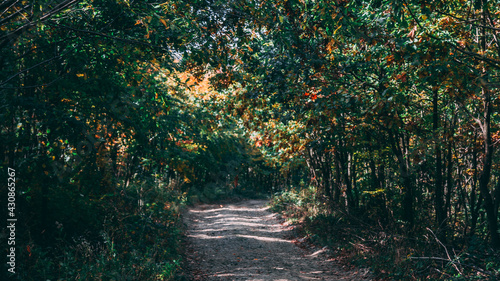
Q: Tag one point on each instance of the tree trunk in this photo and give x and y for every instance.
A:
(484, 178)
(438, 187)
(404, 170)
(338, 180)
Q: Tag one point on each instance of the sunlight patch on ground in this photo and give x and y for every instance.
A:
(232, 209)
(231, 217)
(265, 239)
(204, 236)
(259, 238)
(212, 230)
(237, 219)
(249, 224)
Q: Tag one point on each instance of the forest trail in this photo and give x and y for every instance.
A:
(245, 241)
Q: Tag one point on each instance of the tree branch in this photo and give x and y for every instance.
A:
(129, 41)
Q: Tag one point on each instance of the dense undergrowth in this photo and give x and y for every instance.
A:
(132, 234)
(389, 251)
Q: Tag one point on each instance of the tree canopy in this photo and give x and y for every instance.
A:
(388, 108)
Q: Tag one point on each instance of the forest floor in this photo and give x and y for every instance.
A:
(245, 241)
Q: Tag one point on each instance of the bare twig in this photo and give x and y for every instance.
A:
(485, 272)
(452, 261)
(472, 22)
(429, 258)
(28, 69)
(94, 33)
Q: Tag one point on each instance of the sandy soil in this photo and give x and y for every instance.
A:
(244, 241)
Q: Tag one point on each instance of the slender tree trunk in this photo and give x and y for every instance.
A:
(449, 179)
(404, 170)
(312, 165)
(326, 176)
(475, 203)
(352, 179)
(449, 169)
(484, 178)
(342, 158)
(373, 171)
(338, 180)
(438, 187)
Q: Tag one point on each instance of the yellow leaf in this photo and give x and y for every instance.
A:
(337, 29)
(164, 23)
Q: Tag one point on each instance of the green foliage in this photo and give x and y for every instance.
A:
(141, 241)
(359, 241)
(385, 110)
(299, 205)
(388, 106)
(104, 134)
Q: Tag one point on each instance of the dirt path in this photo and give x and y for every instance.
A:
(244, 241)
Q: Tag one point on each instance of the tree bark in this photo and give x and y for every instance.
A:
(484, 178)
(438, 184)
(404, 169)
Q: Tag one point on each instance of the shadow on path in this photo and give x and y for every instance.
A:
(244, 241)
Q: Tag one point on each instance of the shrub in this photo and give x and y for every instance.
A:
(138, 238)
